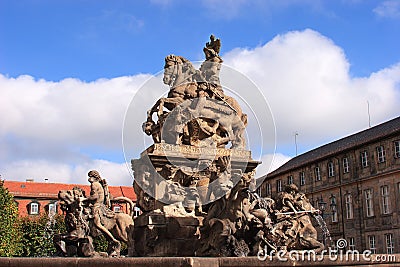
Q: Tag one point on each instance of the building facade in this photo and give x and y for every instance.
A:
(34, 198)
(355, 181)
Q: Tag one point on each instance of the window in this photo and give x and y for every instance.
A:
(398, 188)
(369, 204)
(364, 158)
(117, 208)
(302, 178)
(317, 174)
(385, 199)
(345, 165)
(33, 208)
(334, 209)
(278, 186)
(372, 243)
(136, 211)
(331, 169)
(268, 189)
(352, 245)
(389, 243)
(259, 191)
(349, 206)
(52, 208)
(397, 149)
(290, 179)
(381, 154)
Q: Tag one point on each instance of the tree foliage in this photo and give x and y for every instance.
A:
(100, 243)
(37, 234)
(9, 231)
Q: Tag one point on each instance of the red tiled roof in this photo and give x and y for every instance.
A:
(50, 190)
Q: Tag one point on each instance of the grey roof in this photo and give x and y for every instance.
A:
(358, 139)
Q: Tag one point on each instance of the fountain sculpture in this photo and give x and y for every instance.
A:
(195, 185)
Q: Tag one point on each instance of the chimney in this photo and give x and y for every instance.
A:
(30, 180)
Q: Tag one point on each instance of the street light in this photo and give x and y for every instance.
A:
(322, 206)
(333, 207)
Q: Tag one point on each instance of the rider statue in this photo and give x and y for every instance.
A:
(211, 67)
(99, 203)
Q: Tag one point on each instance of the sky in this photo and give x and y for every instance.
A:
(70, 69)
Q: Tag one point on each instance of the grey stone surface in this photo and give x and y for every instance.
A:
(181, 261)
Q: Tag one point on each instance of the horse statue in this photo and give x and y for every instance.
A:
(292, 227)
(178, 74)
(227, 222)
(306, 238)
(81, 229)
(188, 84)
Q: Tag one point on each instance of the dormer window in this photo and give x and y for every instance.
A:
(52, 208)
(117, 208)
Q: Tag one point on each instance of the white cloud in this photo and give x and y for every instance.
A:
(388, 9)
(47, 128)
(116, 174)
(67, 111)
(270, 163)
(306, 79)
(59, 130)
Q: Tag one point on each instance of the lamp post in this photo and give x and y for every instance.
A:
(322, 206)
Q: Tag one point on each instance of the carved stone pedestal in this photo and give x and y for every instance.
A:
(159, 235)
(176, 186)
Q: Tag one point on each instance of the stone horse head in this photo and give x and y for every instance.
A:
(177, 69)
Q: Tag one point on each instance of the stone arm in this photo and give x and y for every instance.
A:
(289, 204)
(95, 194)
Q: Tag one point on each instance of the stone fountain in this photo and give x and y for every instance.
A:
(194, 185)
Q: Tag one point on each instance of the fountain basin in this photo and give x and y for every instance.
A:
(189, 261)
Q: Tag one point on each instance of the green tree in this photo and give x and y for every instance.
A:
(100, 243)
(37, 234)
(9, 231)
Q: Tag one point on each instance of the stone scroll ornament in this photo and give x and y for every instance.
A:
(195, 185)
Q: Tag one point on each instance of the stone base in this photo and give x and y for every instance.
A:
(186, 261)
(158, 235)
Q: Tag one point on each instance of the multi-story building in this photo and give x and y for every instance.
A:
(34, 198)
(355, 181)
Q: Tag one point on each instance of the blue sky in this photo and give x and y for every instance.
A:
(104, 39)
(69, 68)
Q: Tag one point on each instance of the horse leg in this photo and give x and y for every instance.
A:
(160, 103)
(114, 246)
